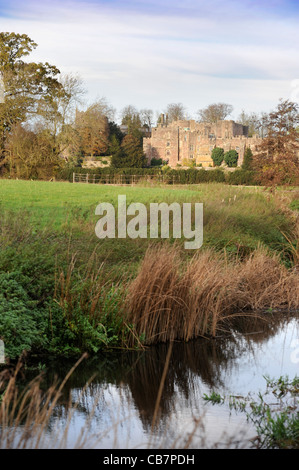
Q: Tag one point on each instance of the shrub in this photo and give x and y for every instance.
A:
(156, 162)
(217, 156)
(240, 176)
(231, 158)
(21, 322)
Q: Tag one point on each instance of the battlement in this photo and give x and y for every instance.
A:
(192, 140)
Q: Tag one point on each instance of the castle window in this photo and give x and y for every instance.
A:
(192, 147)
(198, 138)
(185, 138)
(191, 156)
(168, 144)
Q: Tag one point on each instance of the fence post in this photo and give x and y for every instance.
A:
(73, 177)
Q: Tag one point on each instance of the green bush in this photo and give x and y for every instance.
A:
(217, 156)
(21, 322)
(242, 177)
(231, 158)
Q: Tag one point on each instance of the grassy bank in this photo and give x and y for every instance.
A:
(63, 291)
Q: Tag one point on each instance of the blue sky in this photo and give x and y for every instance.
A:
(152, 53)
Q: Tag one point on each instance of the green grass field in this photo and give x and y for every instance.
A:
(67, 287)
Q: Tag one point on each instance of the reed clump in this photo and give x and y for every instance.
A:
(172, 298)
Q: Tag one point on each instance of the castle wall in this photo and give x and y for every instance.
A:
(183, 141)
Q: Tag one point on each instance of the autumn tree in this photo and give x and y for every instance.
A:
(277, 158)
(30, 153)
(26, 86)
(93, 129)
(215, 112)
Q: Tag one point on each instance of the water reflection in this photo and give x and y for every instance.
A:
(129, 382)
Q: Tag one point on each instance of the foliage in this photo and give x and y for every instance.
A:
(21, 321)
(93, 129)
(130, 154)
(43, 223)
(277, 424)
(242, 177)
(217, 156)
(276, 160)
(248, 159)
(231, 158)
(29, 87)
(156, 162)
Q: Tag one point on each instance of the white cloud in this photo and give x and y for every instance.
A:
(150, 58)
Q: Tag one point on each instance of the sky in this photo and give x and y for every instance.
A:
(150, 53)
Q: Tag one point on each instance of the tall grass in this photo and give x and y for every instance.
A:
(175, 299)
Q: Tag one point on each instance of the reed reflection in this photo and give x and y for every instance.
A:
(137, 375)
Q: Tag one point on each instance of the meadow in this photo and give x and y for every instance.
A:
(63, 291)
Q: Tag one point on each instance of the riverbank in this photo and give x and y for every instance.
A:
(64, 291)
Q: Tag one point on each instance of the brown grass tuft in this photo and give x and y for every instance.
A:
(174, 299)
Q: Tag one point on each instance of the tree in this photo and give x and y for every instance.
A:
(248, 159)
(175, 112)
(27, 86)
(130, 154)
(56, 115)
(30, 154)
(130, 117)
(115, 138)
(146, 117)
(217, 156)
(231, 158)
(277, 158)
(92, 126)
(215, 112)
(252, 120)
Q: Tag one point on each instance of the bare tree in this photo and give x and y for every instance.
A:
(147, 117)
(176, 112)
(215, 112)
(254, 121)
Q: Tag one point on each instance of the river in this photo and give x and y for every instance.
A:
(110, 401)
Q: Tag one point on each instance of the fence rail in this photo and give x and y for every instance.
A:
(123, 180)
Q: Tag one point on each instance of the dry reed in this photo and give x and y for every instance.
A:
(25, 414)
(174, 299)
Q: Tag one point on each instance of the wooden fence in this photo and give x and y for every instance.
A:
(122, 180)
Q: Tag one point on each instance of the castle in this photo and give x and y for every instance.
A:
(182, 142)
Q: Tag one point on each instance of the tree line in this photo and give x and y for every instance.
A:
(43, 127)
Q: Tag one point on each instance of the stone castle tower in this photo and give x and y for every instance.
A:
(184, 141)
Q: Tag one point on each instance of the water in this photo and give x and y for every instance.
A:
(116, 409)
